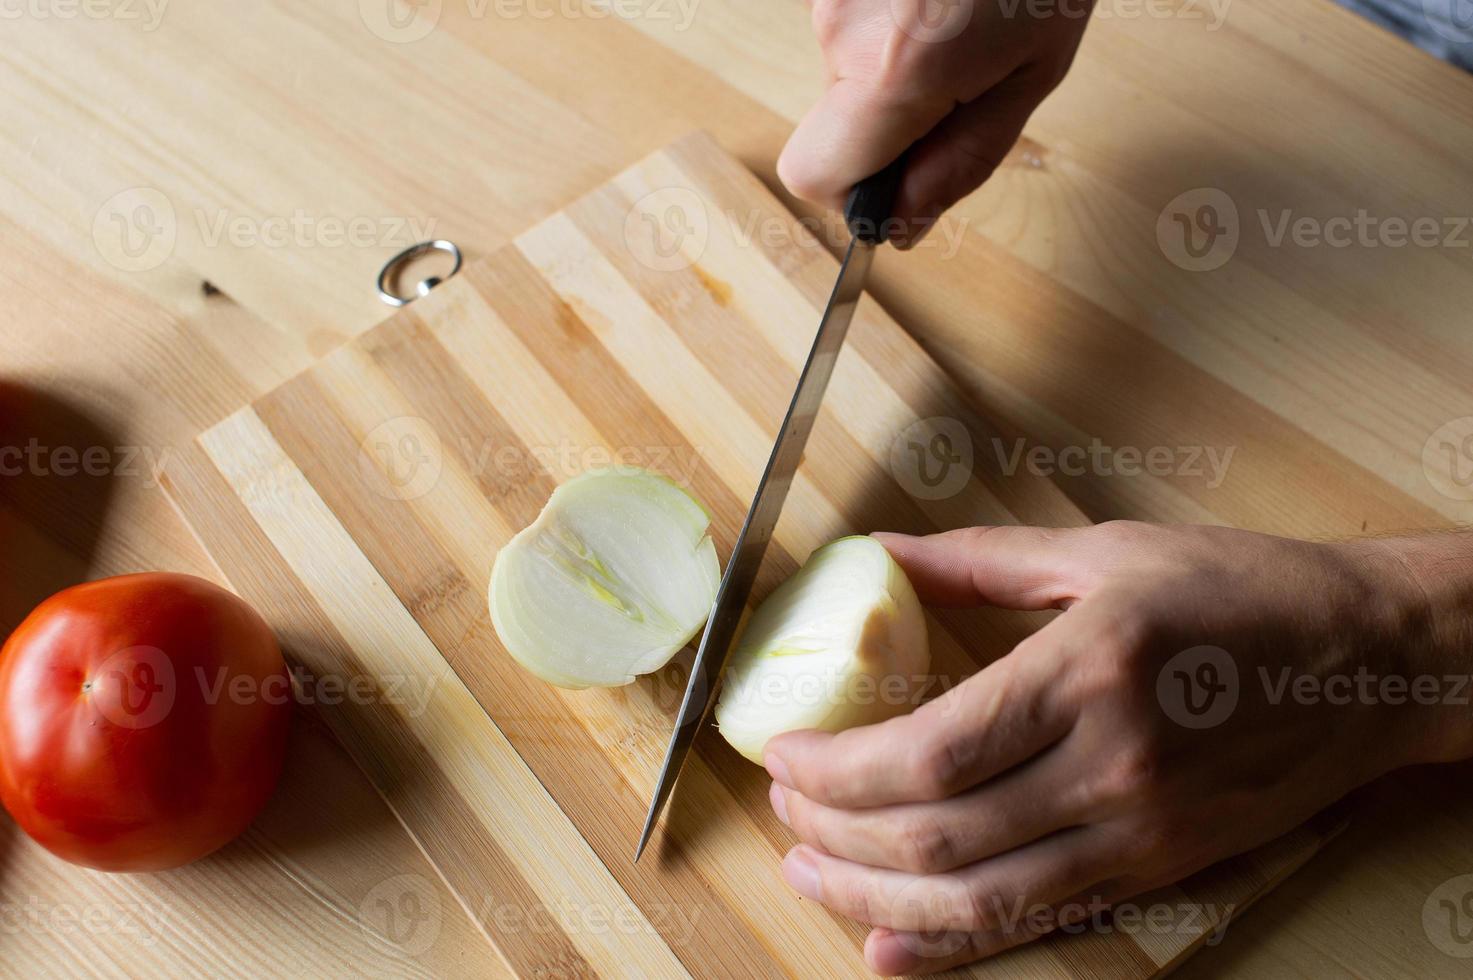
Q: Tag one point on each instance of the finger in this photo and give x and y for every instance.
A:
(1023, 805)
(891, 953)
(989, 895)
(994, 720)
(855, 129)
(1008, 566)
(963, 150)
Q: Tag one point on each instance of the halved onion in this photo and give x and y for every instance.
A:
(842, 643)
(616, 574)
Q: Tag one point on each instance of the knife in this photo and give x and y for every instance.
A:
(867, 214)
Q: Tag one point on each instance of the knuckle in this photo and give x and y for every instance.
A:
(904, 61)
(858, 898)
(981, 910)
(925, 847)
(1157, 843)
(1105, 678)
(1138, 771)
(828, 18)
(802, 820)
(1076, 869)
(939, 768)
(1122, 628)
(1118, 535)
(1160, 840)
(825, 789)
(1139, 548)
(910, 76)
(1113, 652)
(974, 539)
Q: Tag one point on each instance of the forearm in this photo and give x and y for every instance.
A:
(1427, 585)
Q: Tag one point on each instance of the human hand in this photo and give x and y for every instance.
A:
(958, 86)
(1101, 758)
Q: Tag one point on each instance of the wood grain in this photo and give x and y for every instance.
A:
(574, 347)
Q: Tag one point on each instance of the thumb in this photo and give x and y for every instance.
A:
(853, 131)
(1007, 566)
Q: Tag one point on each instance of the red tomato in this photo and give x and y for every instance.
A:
(143, 721)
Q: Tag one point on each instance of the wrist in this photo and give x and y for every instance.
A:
(1421, 621)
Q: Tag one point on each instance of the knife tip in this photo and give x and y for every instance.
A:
(644, 839)
(649, 828)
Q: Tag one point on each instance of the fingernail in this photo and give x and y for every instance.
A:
(801, 874)
(890, 954)
(777, 768)
(779, 801)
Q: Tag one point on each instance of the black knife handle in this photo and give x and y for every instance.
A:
(872, 202)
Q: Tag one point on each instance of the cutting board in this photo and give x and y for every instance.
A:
(658, 321)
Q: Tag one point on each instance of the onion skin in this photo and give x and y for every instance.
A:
(859, 660)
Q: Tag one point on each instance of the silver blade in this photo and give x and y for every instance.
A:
(767, 505)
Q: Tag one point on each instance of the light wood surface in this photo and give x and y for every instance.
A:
(1326, 369)
(362, 503)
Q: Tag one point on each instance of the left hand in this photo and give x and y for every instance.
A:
(1094, 762)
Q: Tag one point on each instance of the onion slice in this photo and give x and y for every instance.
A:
(839, 644)
(617, 573)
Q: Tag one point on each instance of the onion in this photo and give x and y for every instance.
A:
(842, 643)
(617, 573)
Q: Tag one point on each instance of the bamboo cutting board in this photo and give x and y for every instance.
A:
(658, 321)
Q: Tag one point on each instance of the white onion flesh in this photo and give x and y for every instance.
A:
(617, 573)
(841, 643)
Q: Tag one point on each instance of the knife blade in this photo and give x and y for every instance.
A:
(867, 215)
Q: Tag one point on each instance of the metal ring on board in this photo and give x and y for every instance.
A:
(423, 287)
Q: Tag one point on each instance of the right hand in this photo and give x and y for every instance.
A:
(956, 78)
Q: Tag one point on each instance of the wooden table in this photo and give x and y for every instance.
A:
(285, 150)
